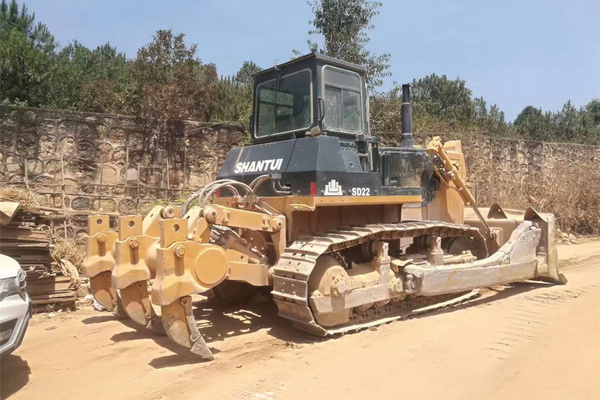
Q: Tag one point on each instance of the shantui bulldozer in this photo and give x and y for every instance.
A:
(345, 232)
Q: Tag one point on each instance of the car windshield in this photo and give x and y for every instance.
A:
(284, 104)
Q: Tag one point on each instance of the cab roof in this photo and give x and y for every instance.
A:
(319, 57)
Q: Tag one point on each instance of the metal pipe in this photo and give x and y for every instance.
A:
(406, 111)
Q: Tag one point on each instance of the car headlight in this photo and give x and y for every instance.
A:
(13, 285)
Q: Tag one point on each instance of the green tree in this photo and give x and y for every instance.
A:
(385, 110)
(23, 71)
(533, 124)
(528, 113)
(444, 99)
(89, 80)
(344, 25)
(492, 120)
(234, 95)
(593, 111)
(244, 75)
(440, 105)
(38, 34)
(170, 82)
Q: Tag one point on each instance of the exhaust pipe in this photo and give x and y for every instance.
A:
(406, 112)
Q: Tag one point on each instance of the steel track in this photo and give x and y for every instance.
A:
(290, 275)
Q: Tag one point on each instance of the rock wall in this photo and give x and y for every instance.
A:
(82, 163)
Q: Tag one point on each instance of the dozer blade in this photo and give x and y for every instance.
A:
(137, 306)
(103, 292)
(180, 325)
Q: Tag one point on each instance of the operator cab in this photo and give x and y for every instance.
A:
(310, 134)
(308, 96)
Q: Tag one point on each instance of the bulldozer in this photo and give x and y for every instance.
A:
(344, 232)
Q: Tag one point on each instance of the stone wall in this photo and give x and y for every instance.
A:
(82, 163)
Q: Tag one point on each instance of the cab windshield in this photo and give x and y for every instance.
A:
(284, 104)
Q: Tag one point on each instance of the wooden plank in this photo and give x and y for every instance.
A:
(21, 245)
(53, 301)
(39, 298)
(14, 233)
(54, 279)
(49, 288)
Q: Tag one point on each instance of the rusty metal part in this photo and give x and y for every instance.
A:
(179, 324)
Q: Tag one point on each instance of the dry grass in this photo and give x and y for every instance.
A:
(570, 191)
(22, 196)
(67, 250)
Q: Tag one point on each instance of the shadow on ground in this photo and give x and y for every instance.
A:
(14, 374)
(218, 322)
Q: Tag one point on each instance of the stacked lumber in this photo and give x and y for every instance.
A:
(27, 239)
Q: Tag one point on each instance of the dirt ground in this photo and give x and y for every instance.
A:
(523, 341)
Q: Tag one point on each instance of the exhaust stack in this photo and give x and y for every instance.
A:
(406, 111)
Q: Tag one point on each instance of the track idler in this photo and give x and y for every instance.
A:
(100, 261)
(185, 267)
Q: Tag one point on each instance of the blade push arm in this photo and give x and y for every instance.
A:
(447, 172)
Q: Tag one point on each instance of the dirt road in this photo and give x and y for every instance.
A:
(524, 341)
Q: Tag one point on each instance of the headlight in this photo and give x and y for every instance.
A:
(10, 286)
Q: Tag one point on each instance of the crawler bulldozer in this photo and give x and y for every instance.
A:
(345, 232)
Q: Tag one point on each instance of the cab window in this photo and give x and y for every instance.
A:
(343, 101)
(284, 104)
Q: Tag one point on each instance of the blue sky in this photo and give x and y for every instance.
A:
(512, 52)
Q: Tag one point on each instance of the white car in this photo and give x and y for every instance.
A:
(15, 305)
